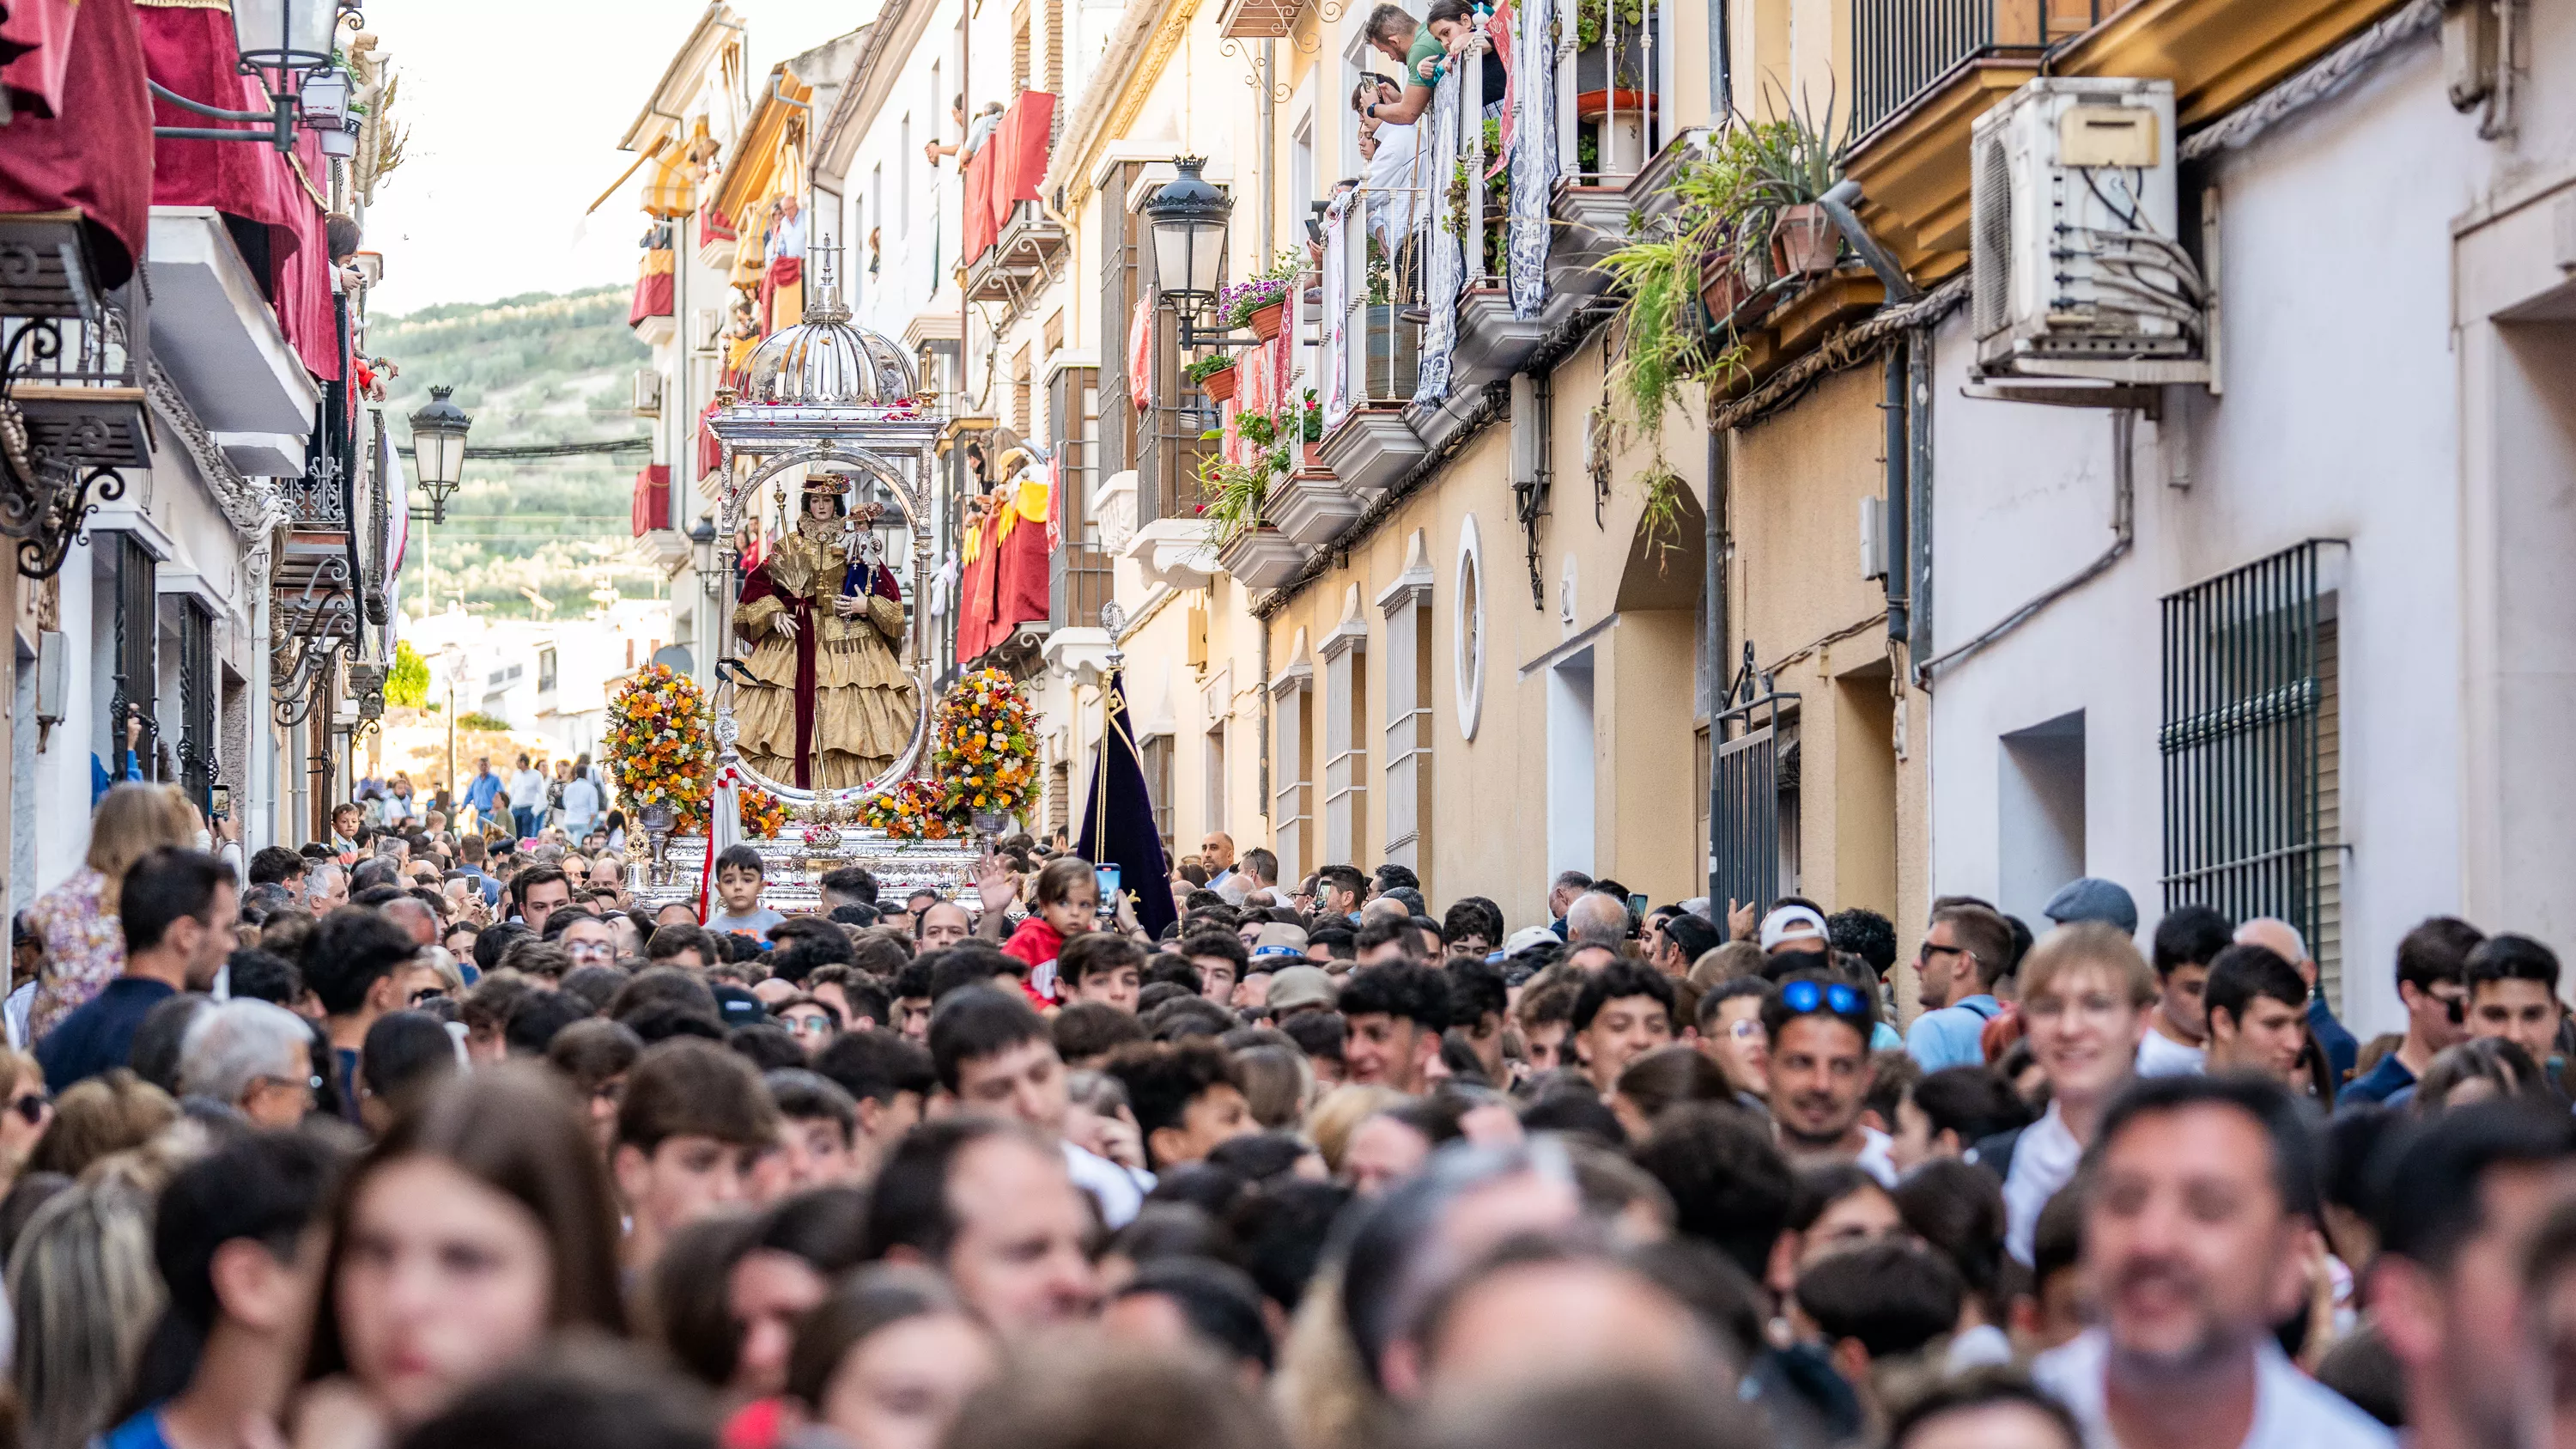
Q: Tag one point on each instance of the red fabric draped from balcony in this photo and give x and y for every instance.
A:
(98, 159)
(1007, 171)
(1004, 581)
(653, 287)
(190, 49)
(710, 447)
(652, 498)
(36, 35)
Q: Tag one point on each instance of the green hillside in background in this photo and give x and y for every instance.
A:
(537, 368)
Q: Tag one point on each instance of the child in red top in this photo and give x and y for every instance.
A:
(1067, 902)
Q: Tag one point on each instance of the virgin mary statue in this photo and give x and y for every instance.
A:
(826, 704)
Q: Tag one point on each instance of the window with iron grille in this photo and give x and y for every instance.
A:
(1750, 792)
(135, 666)
(1157, 759)
(1122, 262)
(1079, 571)
(2250, 762)
(197, 686)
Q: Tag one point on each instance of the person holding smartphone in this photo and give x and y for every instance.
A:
(1064, 903)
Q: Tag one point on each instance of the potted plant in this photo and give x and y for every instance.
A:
(1261, 302)
(1235, 493)
(1214, 374)
(1599, 27)
(1794, 162)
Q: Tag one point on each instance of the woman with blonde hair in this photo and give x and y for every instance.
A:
(24, 1114)
(84, 949)
(84, 1292)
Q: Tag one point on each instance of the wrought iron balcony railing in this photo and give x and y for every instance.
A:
(1901, 49)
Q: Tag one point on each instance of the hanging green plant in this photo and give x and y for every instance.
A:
(1591, 17)
(1208, 366)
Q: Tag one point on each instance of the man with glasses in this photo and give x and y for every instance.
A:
(2430, 962)
(589, 941)
(1962, 953)
(810, 1021)
(1818, 1030)
(253, 1057)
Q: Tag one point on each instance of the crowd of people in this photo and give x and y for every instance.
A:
(427, 1143)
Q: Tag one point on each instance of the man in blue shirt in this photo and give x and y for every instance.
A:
(1962, 953)
(483, 789)
(177, 908)
(2430, 985)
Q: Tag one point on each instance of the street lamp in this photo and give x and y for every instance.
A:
(1188, 217)
(280, 36)
(702, 548)
(438, 449)
(285, 34)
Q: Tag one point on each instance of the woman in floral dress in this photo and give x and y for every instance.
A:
(84, 947)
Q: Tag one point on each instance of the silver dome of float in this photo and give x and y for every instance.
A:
(824, 362)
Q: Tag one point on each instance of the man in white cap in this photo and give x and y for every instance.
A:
(1795, 927)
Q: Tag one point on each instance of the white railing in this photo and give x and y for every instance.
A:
(1614, 98)
(1431, 215)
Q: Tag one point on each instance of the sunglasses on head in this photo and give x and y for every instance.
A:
(1803, 997)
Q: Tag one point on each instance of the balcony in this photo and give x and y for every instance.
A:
(1014, 247)
(219, 340)
(79, 386)
(1924, 70)
(1022, 261)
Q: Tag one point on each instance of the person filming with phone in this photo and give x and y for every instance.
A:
(1065, 903)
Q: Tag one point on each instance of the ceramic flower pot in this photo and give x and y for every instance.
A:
(1267, 322)
(1803, 241)
(1218, 385)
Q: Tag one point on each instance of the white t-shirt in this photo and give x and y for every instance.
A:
(527, 790)
(2161, 1056)
(2044, 1159)
(1393, 184)
(2291, 1410)
(1120, 1191)
(1875, 1158)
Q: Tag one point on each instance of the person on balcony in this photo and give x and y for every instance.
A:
(1390, 148)
(1422, 48)
(822, 699)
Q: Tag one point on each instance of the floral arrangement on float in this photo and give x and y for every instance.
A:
(983, 764)
(660, 748)
(763, 814)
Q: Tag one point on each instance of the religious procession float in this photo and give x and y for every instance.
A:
(820, 745)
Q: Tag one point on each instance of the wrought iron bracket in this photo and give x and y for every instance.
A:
(45, 497)
(276, 125)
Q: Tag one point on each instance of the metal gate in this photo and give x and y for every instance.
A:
(1744, 792)
(136, 672)
(197, 685)
(2244, 701)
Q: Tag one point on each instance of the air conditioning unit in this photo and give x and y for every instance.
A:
(702, 336)
(2078, 262)
(648, 393)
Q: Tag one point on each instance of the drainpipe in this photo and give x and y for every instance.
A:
(1840, 206)
(1714, 626)
(1268, 121)
(1262, 781)
(1899, 505)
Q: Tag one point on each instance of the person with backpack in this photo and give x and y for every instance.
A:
(1964, 951)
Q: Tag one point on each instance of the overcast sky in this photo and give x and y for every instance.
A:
(515, 108)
